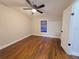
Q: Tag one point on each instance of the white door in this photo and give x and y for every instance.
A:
(74, 36)
(65, 29)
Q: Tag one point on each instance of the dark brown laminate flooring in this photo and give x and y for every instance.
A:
(35, 47)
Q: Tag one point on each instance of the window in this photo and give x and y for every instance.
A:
(43, 25)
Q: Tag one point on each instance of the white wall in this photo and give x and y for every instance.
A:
(13, 25)
(53, 25)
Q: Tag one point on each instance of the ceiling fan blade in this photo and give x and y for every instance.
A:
(27, 8)
(29, 2)
(41, 6)
(39, 11)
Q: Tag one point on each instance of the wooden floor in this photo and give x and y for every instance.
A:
(35, 47)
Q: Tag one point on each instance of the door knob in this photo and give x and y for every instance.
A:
(61, 30)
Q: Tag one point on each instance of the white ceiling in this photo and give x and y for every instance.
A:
(52, 7)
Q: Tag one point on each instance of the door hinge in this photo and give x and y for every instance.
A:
(72, 14)
(69, 44)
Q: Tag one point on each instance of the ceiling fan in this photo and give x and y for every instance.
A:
(34, 7)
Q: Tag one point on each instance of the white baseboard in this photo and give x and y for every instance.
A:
(4, 46)
(74, 53)
(47, 36)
